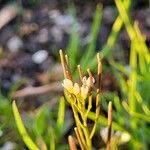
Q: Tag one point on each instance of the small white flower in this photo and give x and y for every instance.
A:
(84, 91)
(119, 137)
(73, 89)
(68, 85)
(86, 82)
(76, 89)
(125, 137)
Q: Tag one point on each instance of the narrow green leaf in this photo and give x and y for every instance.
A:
(103, 121)
(61, 113)
(89, 53)
(114, 32)
(126, 19)
(74, 41)
(52, 139)
(25, 137)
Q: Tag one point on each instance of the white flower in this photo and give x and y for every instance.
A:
(76, 89)
(86, 82)
(73, 89)
(119, 137)
(68, 85)
(80, 92)
(84, 92)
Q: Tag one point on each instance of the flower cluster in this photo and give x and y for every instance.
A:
(74, 88)
(80, 97)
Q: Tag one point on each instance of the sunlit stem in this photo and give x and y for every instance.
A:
(108, 146)
(89, 105)
(96, 113)
(83, 127)
(80, 140)
(78, 124)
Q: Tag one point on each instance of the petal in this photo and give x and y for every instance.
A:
(88, 81)
(84, 91)
(67, 84)
(125, 137)
(84, 80)
(76, 89)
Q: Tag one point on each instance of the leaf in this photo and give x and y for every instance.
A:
(74, 42)
(52, 138)
(114, 32)
(40, 120)
(89, 53)
(25, 137)
(61, 114)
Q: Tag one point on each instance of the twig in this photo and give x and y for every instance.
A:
(30, 91)
(7, 13)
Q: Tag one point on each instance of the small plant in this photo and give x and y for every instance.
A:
(46, 132)
(80, 97)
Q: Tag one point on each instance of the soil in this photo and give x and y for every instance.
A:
(43, 26)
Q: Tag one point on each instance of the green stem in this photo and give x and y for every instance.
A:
(79, 126)
(83, 127)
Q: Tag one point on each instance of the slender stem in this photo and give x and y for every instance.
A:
(83, 147)
(93, 130)
(96, 113)
(84, 128)
(97, 104)
(79, 125)
(108, 146)
(76, 117)
(87, 137)
(89, 105)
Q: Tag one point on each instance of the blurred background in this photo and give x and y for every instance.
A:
(31, 34)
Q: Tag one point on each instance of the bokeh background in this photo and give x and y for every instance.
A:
(31, 34)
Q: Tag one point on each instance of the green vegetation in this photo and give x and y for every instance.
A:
(129, 124)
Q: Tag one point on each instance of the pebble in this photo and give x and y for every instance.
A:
(43, 36)
(8, 146)
(40, 56)
(57, 33)
(14, 44)
(63, 21)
